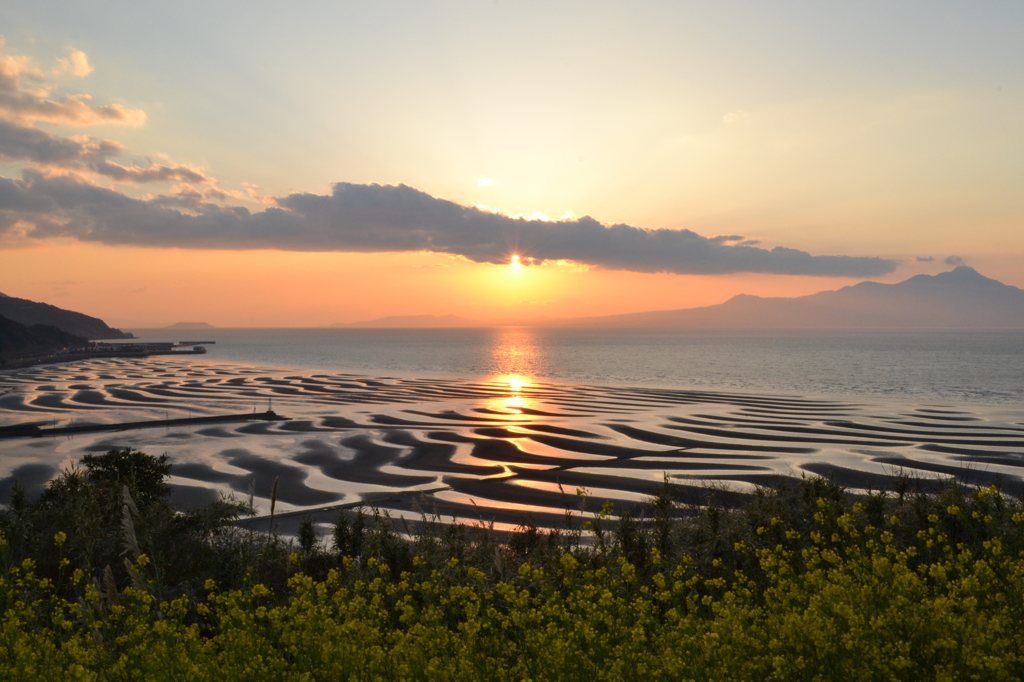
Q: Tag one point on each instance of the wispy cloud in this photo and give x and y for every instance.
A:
(736, 116)
(25, 143)
(25, 91)
(87, 154)
(76, 63)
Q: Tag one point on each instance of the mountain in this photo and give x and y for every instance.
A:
(414, 322)
(190, 325)
(18, 340)
(31, 313)
(959, 299)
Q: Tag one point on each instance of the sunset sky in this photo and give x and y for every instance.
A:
(302, 164)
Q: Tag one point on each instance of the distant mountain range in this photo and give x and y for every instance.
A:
(959, 299)
(30, 313)
(415, 322)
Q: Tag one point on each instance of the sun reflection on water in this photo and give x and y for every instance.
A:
(514, 394)
(516, 382)
(515, 351)
(514, 356)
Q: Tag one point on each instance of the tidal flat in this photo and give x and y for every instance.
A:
(494, 451)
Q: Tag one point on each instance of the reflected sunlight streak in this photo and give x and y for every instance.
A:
(515, 357)
(515, 400)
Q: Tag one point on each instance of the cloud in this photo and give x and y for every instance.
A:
(85, 154)
(76, 63)
(59, 195)
(726, 238)
(925, 259)
(25, 91)
(733, 240)
(736, 116)
(24, 143)
(383, 218)
(23, 101)
(956, 261)
(156, 173)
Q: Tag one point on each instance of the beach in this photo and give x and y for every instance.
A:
(499, 451)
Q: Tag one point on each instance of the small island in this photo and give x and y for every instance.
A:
(190, 325)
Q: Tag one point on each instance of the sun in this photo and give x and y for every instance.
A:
(515, 260)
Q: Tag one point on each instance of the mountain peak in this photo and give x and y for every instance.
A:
(958, 276)
(964, 274)
(961, 298)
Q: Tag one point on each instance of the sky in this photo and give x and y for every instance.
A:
(304, 164)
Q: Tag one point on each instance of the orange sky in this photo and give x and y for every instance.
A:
(137, 287)
(889, 134)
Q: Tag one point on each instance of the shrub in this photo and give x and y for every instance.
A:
(805, 582)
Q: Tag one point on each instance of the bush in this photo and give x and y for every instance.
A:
(805, 582)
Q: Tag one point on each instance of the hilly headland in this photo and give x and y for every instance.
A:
(30, 313)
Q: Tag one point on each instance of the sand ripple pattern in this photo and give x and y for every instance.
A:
(494, 451)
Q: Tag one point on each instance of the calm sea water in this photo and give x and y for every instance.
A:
(925, 366)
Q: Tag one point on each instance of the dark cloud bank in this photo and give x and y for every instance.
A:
(376, 218)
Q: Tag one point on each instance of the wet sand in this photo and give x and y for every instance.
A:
(490, 451)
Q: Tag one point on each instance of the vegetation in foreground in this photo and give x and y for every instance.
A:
(103, 581)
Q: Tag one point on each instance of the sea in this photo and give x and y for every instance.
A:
(492, 424)
(916, 366)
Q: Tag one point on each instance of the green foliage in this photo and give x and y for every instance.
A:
(805, 582)
(348, 534)
(143, 474)
(307, 537)
(90, 504)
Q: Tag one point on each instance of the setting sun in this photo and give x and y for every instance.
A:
(515, 261)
